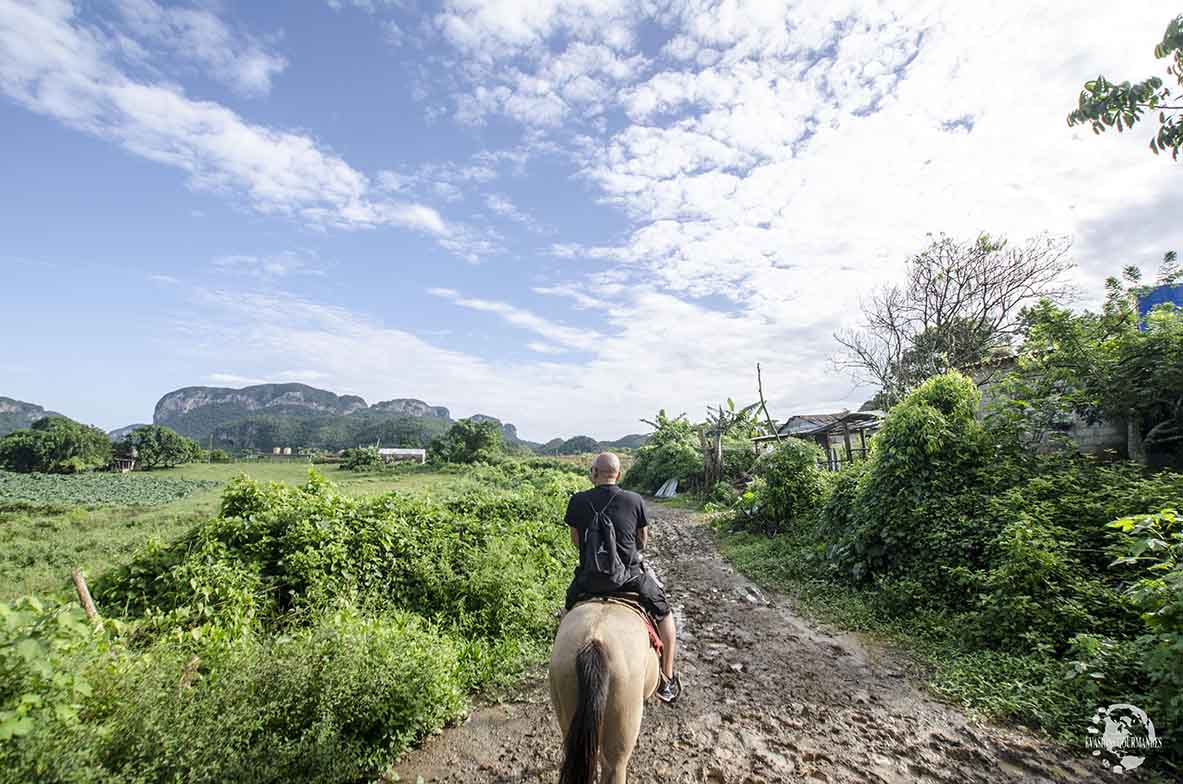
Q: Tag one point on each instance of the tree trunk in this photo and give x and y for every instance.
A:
(1134, 445)
(718, 459)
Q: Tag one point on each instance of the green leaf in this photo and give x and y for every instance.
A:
(15, 727)
(29, 649)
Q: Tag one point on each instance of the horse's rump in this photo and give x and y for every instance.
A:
(601, 670)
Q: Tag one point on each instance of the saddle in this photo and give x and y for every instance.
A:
(632, 602)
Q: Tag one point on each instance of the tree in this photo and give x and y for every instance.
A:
(361, 458)
(1108, 365)
(672, 452)
(722, 423)
(1105, 105)
(960, 302)
(468, 441)
(55, 444)
(157, 446)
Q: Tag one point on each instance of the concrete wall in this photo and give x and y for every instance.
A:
(1089, 438)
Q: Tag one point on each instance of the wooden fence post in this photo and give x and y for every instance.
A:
(92, 614)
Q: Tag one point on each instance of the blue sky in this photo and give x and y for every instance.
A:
(563, 213)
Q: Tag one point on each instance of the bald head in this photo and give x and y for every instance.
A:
(606, 469)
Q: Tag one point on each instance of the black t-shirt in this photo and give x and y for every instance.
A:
(627, 512)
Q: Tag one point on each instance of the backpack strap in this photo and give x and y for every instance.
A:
(611, 501)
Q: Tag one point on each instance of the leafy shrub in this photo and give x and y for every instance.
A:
(919, 506)
(361, 458)
(43, 654)
(672, 452)
(837, 515)
(722, 495)
(1155, 544)
(795, 485)
(488, 561)
(739, 459)
(468, 441)
(334, 701)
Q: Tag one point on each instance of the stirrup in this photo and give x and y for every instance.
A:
(675, 685)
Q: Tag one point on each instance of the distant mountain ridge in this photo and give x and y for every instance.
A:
(405, 406)
(578, 445)
(198, 411)
(267, 415)
(120, 433)
(17, 414)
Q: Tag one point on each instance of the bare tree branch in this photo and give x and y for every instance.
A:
(961, 302)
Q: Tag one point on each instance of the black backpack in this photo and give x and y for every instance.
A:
(600, 566)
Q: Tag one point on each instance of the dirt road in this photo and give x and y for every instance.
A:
(768, 699)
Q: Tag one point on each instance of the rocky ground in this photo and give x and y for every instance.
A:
(769, 698)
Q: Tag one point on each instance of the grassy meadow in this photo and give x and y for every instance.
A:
(47, 532)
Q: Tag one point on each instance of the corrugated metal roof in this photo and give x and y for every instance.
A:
(811, 424)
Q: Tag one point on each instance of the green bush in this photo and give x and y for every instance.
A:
(334, 701)
(723, 495)
(486, 561)
(361, 458)
(837, 515)
(1000, 560)
(739, 459)
(672, 452)
(468, 441)
(795, 485)
(1154, 549)
(919, 504)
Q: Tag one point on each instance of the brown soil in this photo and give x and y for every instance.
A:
(769, 698)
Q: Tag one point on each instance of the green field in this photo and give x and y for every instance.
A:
(51, 524)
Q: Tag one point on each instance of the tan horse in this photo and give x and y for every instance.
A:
(601, 671)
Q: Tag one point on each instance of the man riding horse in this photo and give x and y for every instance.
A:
(603, 664)
(626, 513)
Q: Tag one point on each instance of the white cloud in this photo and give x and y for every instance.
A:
(369, 6)
(233, 379)
(556, 333)
(545, 348)
(196, 34)
(54, 64)
(569, 292)
(507, 209)
(808, 154)
(654, 350)
(277, 265)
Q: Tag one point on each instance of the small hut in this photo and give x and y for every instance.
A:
(842, 436)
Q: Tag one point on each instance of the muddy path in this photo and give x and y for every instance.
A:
(769, 698)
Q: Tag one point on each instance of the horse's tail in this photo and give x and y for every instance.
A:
(583, 736)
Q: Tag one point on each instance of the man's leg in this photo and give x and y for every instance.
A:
(669, 644)
(653, 597)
